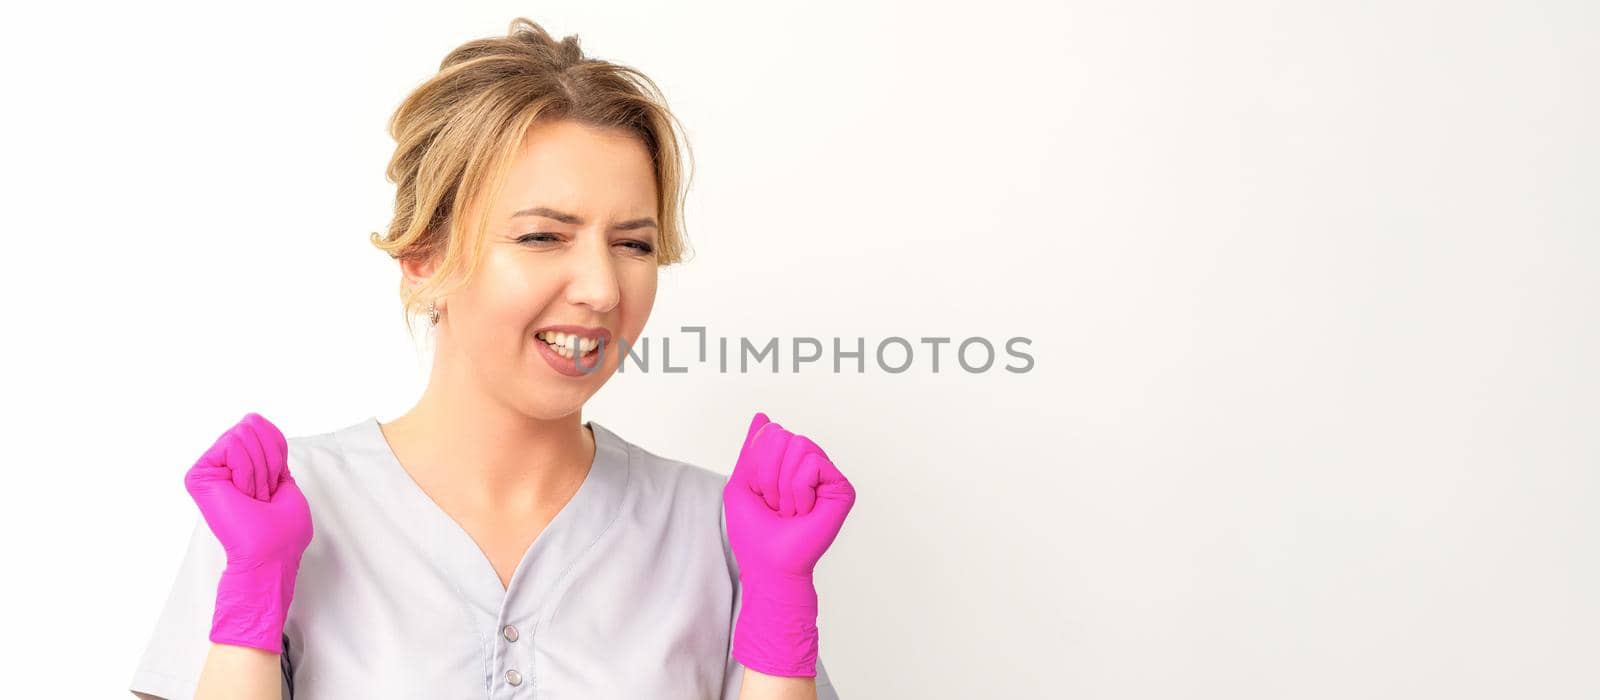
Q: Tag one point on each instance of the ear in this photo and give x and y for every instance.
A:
(416, 271)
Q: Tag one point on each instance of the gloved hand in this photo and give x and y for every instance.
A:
(784, 504)
(251, 503)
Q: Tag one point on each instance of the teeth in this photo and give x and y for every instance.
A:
(565, 343)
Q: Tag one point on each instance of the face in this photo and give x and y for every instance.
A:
(571, 242)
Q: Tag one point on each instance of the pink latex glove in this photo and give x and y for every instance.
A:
(244, 491)
(784, 503)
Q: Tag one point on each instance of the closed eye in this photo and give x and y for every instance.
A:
(641, 246)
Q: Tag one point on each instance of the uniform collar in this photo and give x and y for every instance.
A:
(539, 576)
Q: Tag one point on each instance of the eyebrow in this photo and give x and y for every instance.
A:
(565, 218)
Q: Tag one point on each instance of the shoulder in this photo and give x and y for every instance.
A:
(328, 464)
(656, 471)
(315, 449)
(678, 496)
(319, 452)
(665, 480)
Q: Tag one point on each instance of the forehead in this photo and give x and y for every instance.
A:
(589, 171)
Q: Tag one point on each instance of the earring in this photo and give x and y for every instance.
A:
(433, 313)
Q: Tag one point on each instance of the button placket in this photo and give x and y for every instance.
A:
(540, 575)
(514, 658)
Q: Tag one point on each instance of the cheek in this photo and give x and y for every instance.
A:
(512, 292)
(643, 285)
(638, 289)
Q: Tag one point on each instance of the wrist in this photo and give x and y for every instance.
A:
(776, 632)
(252, 604)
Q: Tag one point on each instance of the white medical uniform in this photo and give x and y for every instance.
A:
(629, 592)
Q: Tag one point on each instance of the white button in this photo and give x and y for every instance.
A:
(510, 633)
(513, 677)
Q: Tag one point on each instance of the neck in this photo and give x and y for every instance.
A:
(464, 445)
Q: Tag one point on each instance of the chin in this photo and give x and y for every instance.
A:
(552, 397)
(550, 408)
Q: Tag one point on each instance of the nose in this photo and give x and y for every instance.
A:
(593, 275)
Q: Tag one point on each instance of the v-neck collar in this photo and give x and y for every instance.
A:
(573, 530)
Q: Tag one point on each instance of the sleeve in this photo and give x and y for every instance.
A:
(172, 660)
(733, 676)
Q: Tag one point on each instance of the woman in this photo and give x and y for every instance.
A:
(489, 543)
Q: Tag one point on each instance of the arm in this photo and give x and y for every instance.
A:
(236, 673)
(254, 507)
(784, 505)
(240, 673)
(760, 686)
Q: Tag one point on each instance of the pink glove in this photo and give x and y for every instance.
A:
(253, 506)
(784, 503)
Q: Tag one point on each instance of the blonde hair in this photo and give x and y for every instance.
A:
(457, 133)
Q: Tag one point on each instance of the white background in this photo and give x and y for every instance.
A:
(1311, 287)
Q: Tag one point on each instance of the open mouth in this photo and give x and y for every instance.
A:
(568, 345)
